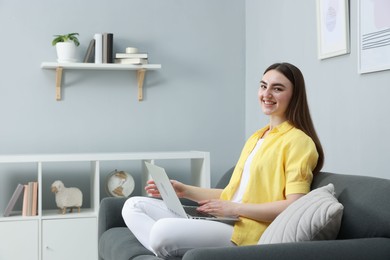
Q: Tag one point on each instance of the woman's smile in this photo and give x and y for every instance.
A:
(269, 102)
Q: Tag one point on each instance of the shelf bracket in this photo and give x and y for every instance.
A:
(140, 79)
(58, 82)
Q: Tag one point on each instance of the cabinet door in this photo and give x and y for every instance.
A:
(64, 239)
(19, 240)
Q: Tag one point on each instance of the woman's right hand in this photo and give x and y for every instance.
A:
(152, 190)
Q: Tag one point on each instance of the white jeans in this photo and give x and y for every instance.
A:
(162, 232)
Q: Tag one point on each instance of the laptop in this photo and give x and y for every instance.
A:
(172, 201)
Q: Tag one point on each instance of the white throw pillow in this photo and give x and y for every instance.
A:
(315, 216)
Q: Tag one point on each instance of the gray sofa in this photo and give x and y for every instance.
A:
(364, 232)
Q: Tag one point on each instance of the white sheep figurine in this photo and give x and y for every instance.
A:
(67, 197)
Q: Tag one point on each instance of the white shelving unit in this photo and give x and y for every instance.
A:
(59, 67)
(51, 235)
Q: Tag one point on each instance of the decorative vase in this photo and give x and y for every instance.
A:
(66, 52)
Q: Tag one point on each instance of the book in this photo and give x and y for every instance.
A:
(90, 53)
(15, 196)
(30, 197)
(131, 61)
(131, 55)
(108, 41)
(25, 200)
(98, 47)
(34, 208)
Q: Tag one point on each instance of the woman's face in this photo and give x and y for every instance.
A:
(274, 94)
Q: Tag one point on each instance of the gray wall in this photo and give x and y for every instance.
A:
(195, 102)
(205, 96)
(350, 110)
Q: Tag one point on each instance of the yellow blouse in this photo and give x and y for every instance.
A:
(282, 166)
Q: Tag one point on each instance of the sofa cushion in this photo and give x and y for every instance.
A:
(315, 216)
(120, 244)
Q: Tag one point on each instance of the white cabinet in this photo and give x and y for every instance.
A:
(19, 240)
(68, 239)
(50, 235)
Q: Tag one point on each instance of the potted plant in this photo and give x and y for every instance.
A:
(66, 46)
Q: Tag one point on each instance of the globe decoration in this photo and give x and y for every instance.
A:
(119, 184)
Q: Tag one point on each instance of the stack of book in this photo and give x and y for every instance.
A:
(30, 199)
(100, 49)
(131, 58)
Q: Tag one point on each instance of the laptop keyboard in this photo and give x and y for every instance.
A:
(194, 213)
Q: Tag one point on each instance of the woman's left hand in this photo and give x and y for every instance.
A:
(222, 208)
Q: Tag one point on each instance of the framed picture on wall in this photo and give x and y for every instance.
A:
(374, 35)
(332, 28)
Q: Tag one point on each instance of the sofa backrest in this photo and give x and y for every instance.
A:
(366, 202)
(224, 181)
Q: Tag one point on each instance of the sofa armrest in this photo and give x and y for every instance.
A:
(357, 249)
(110, 214)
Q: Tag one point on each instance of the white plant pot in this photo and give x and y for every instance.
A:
(66, 52)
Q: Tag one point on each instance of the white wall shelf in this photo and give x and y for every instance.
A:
(59, 67)
(75, 228)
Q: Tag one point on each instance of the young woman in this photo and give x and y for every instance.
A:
(275, 168)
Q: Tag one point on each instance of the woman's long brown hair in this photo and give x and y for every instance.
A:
(298, 113)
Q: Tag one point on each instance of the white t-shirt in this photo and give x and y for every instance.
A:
(246, 173)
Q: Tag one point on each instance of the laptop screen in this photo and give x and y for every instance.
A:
(166, 190)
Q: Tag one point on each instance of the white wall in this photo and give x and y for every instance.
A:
(195, 102)
(350, 110)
